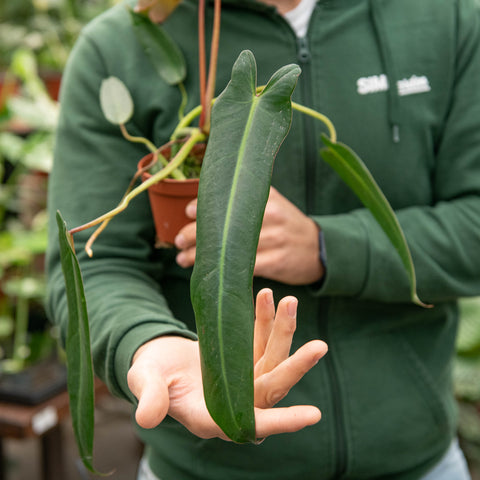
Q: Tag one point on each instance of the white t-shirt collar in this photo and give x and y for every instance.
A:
(299, 17)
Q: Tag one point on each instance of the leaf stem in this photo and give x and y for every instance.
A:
(319, 116)
(177, 174)
(210, 92)
(312, 113)
(202, 62)
(186, 121)
(134, 139)
(197, 136)
(183, 103)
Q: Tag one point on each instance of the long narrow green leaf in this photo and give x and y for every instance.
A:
(357, 176)
(163, 52)
(247, 131)
(80, 379)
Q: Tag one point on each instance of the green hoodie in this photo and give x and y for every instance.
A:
(385, 386)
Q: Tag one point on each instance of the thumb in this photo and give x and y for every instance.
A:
(151, 390)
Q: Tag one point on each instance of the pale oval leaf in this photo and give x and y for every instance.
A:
(116, 101)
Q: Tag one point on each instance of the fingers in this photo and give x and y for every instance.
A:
(280, 339)
(186, 238)
(185, 241)
(288, 244)
(264, 318)
(186, 258)
(284, 420)
(191, 209)
(150, 389)
(197, 420)
(274, 385)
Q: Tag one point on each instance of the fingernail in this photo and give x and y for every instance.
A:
(191, 211)
(269, 297)
(292, 308)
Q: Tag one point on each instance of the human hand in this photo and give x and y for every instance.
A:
(166, 378)
(288, 249)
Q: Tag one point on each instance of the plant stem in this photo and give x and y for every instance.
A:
(210, 92)
(197, 136)
(133, 139)
(177, 174)
(183, 93)
(186, 121)
(183, 125)
(202, 61)
(318, 116)
(103, 226)
(312, 113)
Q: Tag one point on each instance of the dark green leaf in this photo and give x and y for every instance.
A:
(79, 360)
(162, 51)
(356, 175)
(246, 133)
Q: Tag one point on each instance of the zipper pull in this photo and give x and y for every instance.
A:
(303, 52)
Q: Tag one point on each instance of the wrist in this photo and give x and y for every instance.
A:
(162, 345)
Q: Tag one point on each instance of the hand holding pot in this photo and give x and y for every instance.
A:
(288, 249)
(166, 378)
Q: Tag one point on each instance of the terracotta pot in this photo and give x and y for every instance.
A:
(8, 88)
(168, 200)
(52, 81)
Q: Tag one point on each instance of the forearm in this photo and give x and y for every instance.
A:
(362, 262)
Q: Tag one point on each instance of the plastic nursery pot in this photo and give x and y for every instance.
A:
(168, 200)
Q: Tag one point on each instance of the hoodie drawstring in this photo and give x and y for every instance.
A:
(388, 64)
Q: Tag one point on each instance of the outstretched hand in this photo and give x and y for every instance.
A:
(165, 376)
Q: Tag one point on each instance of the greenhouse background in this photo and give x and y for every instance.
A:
(36, 37)
(36, 441)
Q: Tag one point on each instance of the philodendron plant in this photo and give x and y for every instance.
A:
(244, 131)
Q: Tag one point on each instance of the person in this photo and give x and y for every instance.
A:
(399, 79)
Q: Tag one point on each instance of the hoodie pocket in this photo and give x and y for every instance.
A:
(396, 414)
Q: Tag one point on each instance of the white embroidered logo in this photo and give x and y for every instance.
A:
(372, 84)
(406, 86)
(412, 85)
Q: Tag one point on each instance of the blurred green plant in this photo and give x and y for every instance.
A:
(29, 120)
(467, 379)
(21, 344)
(46, 27)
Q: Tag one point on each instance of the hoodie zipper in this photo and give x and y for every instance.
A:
(336, 414)
(304, 57)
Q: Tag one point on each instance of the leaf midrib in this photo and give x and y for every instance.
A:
(239, 163)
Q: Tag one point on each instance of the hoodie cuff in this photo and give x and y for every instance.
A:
(346, 247)
(130, 343)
